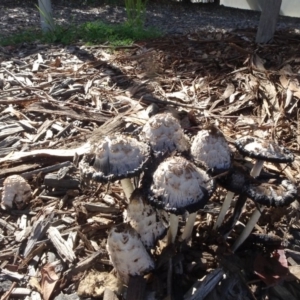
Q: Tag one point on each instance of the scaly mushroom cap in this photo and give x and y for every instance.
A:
(164, 133)
(150, 223)
(179, 186)
(279, 192)
(114, 158)
(263, 150)
(211, 149)
(127, 252)
(16, 191)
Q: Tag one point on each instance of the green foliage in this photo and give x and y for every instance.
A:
(89, 33)
(136, 12)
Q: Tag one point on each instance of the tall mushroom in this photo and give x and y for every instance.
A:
(262, 151)
(234, 181)
(211, 149)
(277, 193)
(179, 186)
(117, 157)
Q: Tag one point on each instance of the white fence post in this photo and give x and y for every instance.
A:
(46, 16)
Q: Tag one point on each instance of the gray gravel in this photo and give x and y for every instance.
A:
(174, 18)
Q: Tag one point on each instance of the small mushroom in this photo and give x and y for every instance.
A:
(263, 151)
(117, 157)
(150, 223)
(164, 133)
(16, 191)
(211, 149)
(127, 253)
(179, 186)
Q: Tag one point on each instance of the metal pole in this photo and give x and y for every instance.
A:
(46, 16)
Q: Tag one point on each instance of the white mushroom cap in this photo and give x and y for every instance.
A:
(179, 186)
(116, 157)
(210, 148)
(127, 253)
(16, 191)
(150, 223)
(164, 133)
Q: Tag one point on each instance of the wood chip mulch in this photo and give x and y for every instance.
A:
(56, 100)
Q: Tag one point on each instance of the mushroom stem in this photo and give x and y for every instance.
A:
(257, 213)
(172, 232)
(226, 228)
(249, 227)
(224, 208)
(188, 228)
(127, 187)
(257, 168)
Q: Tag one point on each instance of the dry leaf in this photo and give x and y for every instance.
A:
(271, 270)
(49, 279)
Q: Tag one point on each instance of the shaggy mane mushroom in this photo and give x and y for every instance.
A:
(178, 187)
(16, 191)
(164, 133)
(150, 223)
(127, 253)
(117, 157)
(211, 150)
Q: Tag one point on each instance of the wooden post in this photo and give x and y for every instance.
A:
(268, 20)
(46, 16)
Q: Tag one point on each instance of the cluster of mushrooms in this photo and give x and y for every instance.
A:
(177, 174)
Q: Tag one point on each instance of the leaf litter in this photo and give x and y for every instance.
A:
(57, 101)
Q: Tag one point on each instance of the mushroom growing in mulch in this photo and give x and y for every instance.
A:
(164, 133)
(16, 191)
(178, 187)
(117, 157)
(276, 192)
(210, 149)
(262, 151)
(150, 223)
(127, 253)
